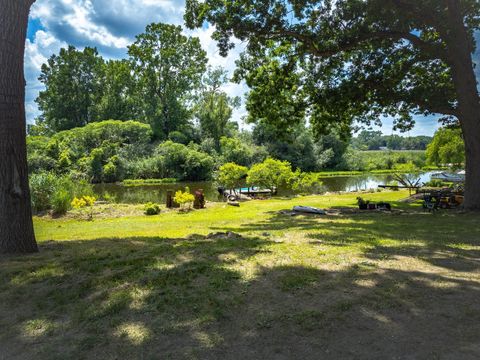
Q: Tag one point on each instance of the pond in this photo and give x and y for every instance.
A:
(157, 193)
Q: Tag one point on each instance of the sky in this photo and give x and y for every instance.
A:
(112, 25)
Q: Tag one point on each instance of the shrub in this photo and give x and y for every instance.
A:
(185, 162)
(231, 175)
(408, 167)
(51, 192)
(61, 201)
(184, 198)
(85, 202)
(106, 196)
(306, 183)
(178, 137)
(112, 170)
(270, 174)
(94, 149)
(42, 187)
(151, 209)
(147, 168)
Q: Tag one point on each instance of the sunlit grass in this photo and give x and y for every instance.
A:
(148, 287)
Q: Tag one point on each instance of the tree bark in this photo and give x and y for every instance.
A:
(16, 226)
(465, 81)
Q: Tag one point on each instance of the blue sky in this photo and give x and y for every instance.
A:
(111, 26)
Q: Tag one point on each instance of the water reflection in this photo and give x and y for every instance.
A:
(157, 193)
(363, 182)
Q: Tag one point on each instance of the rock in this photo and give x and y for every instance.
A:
(234, 203)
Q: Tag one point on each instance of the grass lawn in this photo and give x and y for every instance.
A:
(404, 285)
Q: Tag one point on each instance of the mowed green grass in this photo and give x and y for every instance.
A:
(178, 224)
(369, 285)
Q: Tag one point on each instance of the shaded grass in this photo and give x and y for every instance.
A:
(291, 287)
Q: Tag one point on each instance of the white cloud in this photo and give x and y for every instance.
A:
(110, 26)
(228, 63)
(37, 53)
(103, 23)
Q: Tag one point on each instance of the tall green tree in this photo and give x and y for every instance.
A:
(73, 88)
(168, 67)
(116, 101)
(16, 226)
(347, 60)
(447, 147)
(296, 146)
(215, 107)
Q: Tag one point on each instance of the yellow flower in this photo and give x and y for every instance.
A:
(78, 203)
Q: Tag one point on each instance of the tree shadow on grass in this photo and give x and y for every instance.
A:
(107, 298)
(156, 298)
(360, 312)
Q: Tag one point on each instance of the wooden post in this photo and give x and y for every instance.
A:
(169, 199)
(199, 202)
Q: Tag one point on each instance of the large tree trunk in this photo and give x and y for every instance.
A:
(16, 227)
(463, 73)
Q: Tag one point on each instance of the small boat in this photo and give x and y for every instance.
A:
(449, 177)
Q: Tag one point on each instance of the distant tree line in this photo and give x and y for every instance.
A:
(375, 140)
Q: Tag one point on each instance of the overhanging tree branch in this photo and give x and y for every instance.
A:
(351, 44)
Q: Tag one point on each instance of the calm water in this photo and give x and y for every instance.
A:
(158, 193)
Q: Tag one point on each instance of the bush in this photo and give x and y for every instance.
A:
(185, 162)
(184, 198)
(231, 175)
(42, 188)
(61, 201)
(270, 174)
(306, 183)
(178, 137)
(94, 149)
(84, 202)
(49, 192)
(147, 168)
(151, 209)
